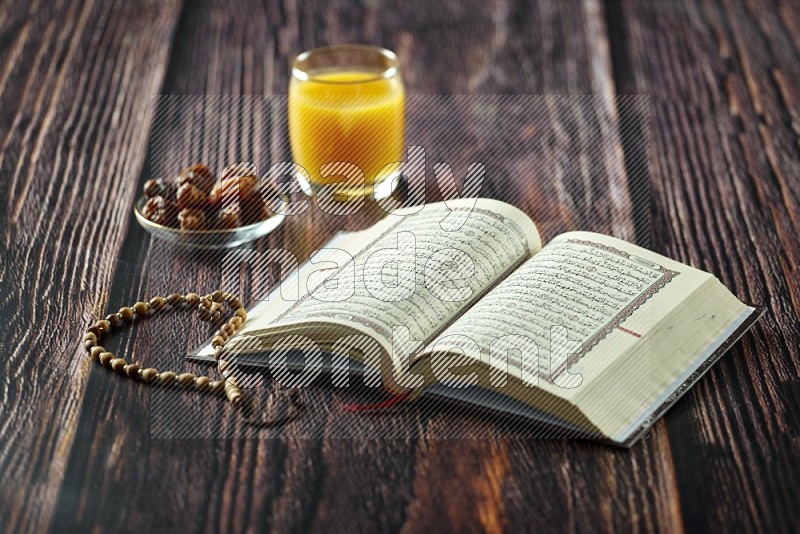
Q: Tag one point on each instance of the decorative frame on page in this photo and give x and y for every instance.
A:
(665, 276)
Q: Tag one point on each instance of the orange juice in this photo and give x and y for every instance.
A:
(346, 115)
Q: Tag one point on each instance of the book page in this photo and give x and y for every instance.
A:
(565, 314)
(422, 270)
(281, 298)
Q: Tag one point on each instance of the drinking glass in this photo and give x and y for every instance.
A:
(346, 120)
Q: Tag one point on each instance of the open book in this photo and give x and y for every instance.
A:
(461, 300)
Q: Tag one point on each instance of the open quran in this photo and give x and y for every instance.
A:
(462, 300)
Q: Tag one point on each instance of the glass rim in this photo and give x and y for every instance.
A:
(389, 72)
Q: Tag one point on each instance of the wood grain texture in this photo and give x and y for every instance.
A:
(78, 446)
(76, 81)
(358, 483)
(724, 83)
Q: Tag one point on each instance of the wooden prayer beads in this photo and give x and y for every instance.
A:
(209, 307)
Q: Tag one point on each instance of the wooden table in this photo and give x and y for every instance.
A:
(78, 82)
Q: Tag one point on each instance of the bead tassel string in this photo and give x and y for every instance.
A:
(209, 307)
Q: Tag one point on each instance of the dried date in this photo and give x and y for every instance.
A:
(229, 217)
(199, 176)
(160, 210)
(191, 196)
(254, 210)
(232, 189)
(192, 219)
(238, 170)
(157, 187)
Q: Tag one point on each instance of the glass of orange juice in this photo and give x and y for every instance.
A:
(346, 120)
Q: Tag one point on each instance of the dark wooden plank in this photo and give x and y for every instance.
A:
(76, 81)
(725, 82)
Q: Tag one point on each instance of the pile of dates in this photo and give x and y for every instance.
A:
(197, 200)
